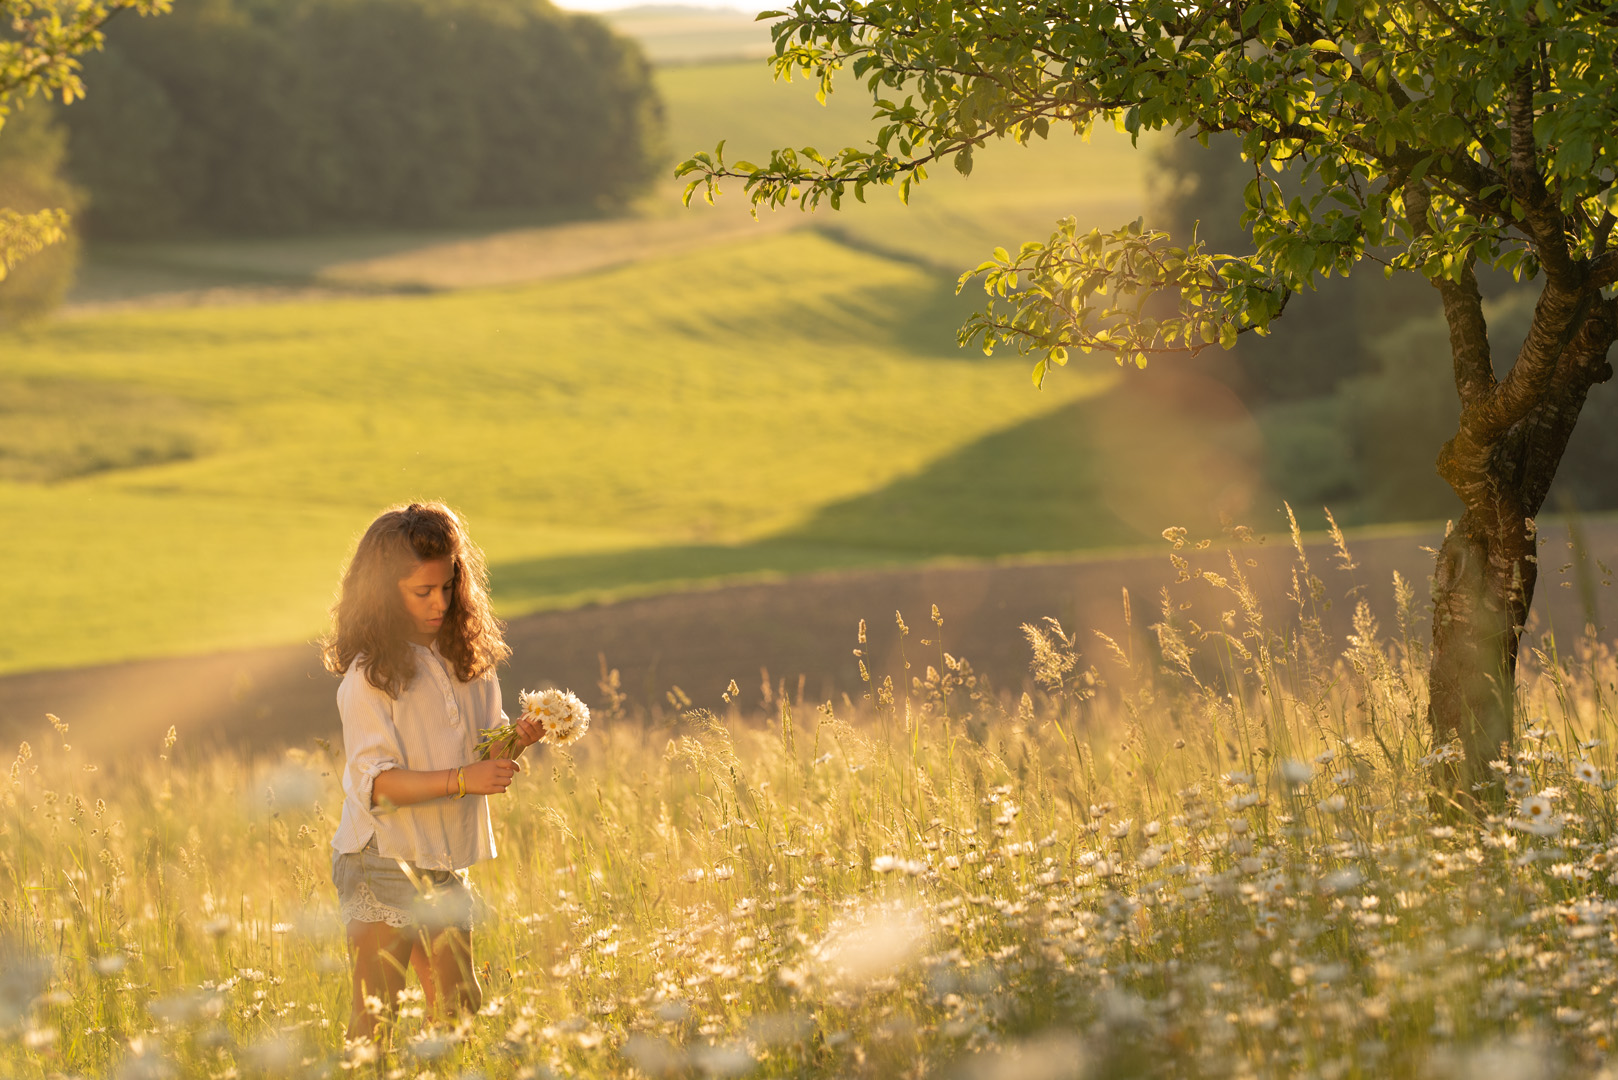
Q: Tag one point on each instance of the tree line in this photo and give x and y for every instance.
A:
(275, 116)
(244, 117)
(1353, 392)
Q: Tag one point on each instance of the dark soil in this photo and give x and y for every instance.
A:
(799, 634)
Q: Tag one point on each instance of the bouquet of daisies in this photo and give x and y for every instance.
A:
(562, 718)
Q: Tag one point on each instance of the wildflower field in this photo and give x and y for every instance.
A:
(1194, 851)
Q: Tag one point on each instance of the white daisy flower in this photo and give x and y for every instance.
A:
(1537, 817)
(1295, 773)
(562, 717)
(1534, 808)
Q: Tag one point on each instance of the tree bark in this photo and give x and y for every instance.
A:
(1482, 589)
(1501, 462)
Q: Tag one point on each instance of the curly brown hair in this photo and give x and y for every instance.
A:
(369, 622)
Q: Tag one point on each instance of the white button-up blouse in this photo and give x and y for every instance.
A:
(435, 723)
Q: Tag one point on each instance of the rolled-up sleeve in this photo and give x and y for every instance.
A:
(432, 724)
(370, 742)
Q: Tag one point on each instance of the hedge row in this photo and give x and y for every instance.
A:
(274, 116)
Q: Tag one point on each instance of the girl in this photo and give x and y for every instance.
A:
(416, 645)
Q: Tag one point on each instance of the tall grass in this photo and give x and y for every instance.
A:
(1192, 851)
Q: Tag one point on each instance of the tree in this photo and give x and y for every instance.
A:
(32, 149)
(281, 116)
(1430, 136)
(40, 43)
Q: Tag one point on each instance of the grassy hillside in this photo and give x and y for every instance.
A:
(185, 479)
(718, 399)
(1014, 193)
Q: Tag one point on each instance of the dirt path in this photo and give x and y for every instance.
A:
(700, 640)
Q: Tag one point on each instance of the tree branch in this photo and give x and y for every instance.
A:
(1468, 335)
(1558, 316)
(1600, 236)
(1543, 217)
(1604, 270)
(1463, 310)
(1583, 364)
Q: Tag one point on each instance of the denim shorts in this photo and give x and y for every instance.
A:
(371, 888)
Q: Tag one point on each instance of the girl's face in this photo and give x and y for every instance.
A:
(426, 595)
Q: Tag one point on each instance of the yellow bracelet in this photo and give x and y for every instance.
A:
(460, 781)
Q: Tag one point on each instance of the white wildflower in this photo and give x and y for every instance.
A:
(562, 717)
(1537, 817)
(1341, 879)
(1295, 773)
(887, 864)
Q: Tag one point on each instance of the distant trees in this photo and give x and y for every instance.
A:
(32, 148)
(39, 51)
(273, 116)
(1356, 389)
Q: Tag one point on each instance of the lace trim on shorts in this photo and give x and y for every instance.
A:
(363, 906)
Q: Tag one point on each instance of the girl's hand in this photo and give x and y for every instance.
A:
(490, 777)
(527, 733)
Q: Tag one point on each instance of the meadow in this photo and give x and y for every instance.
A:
(742, 400)
(1185, 852)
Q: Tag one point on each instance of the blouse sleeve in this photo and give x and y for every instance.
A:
(369, 739)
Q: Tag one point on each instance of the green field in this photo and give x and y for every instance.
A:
(1014, 193)
(180, 479)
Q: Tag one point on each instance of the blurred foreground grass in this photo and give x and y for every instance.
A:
(1210, 853)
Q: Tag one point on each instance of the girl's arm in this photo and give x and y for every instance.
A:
(402, 787)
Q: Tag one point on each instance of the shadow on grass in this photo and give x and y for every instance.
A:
(1037, 487)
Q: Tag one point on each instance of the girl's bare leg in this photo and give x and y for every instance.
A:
(380, 953)
(446, 967)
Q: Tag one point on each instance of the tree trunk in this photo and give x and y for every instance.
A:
(1482, 587)
(1501, 463)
